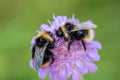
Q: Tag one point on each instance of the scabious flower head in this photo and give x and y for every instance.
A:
(73, 63)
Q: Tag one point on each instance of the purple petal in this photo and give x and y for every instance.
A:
(73, 20)
(62, 74)
(43, 72)
(94, 44)
(79, 64)
(50, 75)
(55, 25)
(76, 75)
(89, 21)
(60, 19)
(93, 53)
(68, 70)
(31, 63)
(45, 27)
(92, 67)
(33, 40)
(84, 70)
(69, 73)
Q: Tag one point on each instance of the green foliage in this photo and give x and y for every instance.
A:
(19, 19)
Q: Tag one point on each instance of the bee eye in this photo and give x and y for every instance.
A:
(59, 32)
(41, 41)
(69, 26)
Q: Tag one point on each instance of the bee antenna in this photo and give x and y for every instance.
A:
(84, 46)
(70, 42)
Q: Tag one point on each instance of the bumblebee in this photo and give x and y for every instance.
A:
(72, 32)
(64, 30)
(41, 53)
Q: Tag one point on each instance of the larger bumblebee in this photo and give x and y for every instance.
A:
(73, 32)
(41, 53)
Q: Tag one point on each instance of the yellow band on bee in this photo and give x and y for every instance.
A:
(45, 35)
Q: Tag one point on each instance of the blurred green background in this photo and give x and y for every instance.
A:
(19, 20)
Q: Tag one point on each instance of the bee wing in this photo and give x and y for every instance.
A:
(84, 26)
(38, 57)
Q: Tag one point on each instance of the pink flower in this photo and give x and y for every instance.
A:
(69, 64)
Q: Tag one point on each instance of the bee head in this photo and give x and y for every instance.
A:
(59, 32)
(44, 38)
(40, 41)
(69, 26)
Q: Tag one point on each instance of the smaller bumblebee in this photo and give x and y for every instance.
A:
(71, 32)
(41, 53)
(64, 30)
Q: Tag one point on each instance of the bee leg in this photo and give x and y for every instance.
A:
(69, 44)
(84, 46)
(52, 57)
